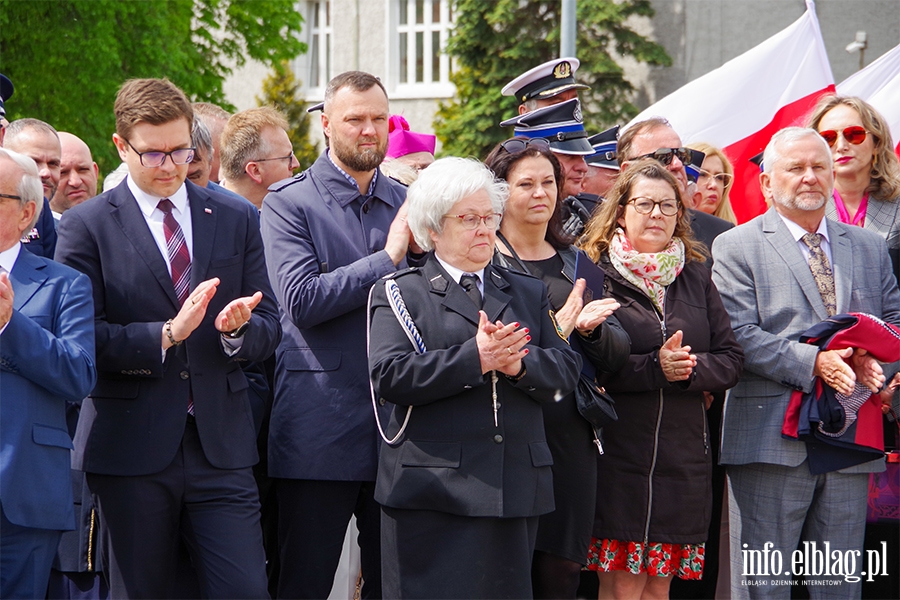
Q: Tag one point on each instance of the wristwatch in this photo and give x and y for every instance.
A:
(237, 332)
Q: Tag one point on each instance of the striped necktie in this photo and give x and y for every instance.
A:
(179, 257)
(179, 261)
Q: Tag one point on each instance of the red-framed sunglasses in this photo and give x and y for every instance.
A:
(854, 135)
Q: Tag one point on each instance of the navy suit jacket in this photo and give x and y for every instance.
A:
(41, 240)
(46, 359)
(323, 256)
(134, 420)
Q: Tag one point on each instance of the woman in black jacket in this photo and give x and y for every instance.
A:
(653, 518)
(462, 487)
(531, 241)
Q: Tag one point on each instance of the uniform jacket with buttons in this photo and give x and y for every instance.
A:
(134, 420)
(452, 458)
(324, 253)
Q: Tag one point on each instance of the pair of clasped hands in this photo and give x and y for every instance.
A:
(193, 311)
(843, 369)
(502, 347)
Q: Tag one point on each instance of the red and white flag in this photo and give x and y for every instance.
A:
(879, 85)
(740, 105)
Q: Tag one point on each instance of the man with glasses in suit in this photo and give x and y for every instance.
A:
(181, 299)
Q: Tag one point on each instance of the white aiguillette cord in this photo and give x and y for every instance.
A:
(398, 307)
(409, 327)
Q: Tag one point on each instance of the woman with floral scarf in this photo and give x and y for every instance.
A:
(654, 498)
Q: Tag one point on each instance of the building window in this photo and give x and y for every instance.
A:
(419, 68)
(320, 36)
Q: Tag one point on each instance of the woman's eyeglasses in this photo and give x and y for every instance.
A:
(723, 179)
(667, 155)
(854, 135)
(644, 206)
(471, 221)
(517, 144)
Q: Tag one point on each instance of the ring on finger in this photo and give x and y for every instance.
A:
(508, 349)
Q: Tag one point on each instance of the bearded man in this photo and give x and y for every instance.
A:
(330, 233)
(779, 274)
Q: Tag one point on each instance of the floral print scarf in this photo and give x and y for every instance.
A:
(651, 272)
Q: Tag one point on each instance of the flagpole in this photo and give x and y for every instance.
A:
(567, 29)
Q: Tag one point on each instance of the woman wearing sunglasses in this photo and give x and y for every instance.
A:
(866, 170)
(652, 519)
(714, 183)
(530, 241)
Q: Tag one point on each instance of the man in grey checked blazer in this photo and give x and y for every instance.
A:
(764, 279)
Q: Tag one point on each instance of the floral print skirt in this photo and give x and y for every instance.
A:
(660, 560)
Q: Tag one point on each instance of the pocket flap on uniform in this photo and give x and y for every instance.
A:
(540, 454)
(237, 381)
(225, 262)
(51, 436)
(430, 454)
(312, 359)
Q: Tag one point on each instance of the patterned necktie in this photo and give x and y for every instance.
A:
(821, 271)
(179, 257)
(179, 261)
(469, 282)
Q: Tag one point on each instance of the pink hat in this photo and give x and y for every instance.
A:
(402, 141)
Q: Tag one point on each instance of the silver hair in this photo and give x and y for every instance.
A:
(788, 135)
(444, 183)
(201, 138)
(29, 188)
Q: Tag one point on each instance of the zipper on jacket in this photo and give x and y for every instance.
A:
(90, 548)
(705, 433)
(662, 330)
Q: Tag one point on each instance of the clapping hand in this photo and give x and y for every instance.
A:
(501, 347)
(676, 361)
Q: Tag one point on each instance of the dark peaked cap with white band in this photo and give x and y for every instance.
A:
(604, 144)
(545, 81)
(560, 124)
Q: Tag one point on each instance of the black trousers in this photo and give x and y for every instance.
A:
(312, 522)
(214, 511)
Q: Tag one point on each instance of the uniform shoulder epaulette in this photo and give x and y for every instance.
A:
(400, 273)
(286, 183)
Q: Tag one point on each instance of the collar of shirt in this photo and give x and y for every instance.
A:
(147, 203)
(457, 274)
(154, 217)
(798, 232)
(9, 256)
(349, 177)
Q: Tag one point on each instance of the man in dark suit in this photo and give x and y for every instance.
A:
(330, 233)
(181, 298)
(645, 138)
(46, 359)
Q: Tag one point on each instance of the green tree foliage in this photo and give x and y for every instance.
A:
(281, 90)
(68, 58)
(494, 42)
